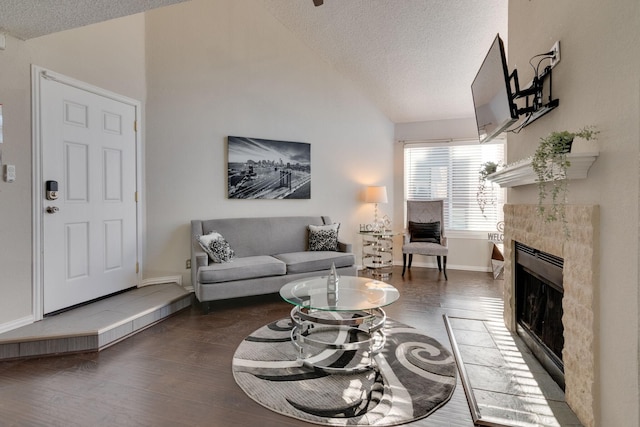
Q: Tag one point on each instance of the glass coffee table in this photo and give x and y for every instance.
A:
(338, 330)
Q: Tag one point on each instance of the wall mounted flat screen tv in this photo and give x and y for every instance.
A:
(492, 96)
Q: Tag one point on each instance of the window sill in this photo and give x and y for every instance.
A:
(468, 235)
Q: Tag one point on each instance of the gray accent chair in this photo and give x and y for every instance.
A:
(270, 252)
(425, 211)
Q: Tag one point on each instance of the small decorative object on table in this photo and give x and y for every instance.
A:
(333, 279)
(386, 221)
(332, 286)
(365, 228)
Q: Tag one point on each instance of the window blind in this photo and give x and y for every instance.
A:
(451, 173)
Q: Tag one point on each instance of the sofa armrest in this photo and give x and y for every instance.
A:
(202, 259)
(199, 259)
(196, 250)
(345, 247)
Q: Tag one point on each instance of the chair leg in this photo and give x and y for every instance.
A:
(439, 263)
(445, 268)
(410, 260)
(404, 263)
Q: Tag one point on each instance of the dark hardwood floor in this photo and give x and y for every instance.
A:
(178, 372)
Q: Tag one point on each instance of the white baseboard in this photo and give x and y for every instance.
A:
(161, 280)
(15, 324)
(434, 265)
(449, 266)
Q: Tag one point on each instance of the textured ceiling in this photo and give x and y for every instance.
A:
(415, 59)
(26, 19)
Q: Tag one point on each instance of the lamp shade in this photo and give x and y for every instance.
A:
(376, 194)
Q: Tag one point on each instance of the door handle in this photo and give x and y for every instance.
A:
(52, 209)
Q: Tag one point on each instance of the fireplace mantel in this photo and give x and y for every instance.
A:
(521, 172)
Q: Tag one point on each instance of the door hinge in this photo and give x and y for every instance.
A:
(137, 268)
(135, 196)
(135, 126)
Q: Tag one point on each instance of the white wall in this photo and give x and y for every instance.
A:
(469, 252)
(463, 128)
(597, 83)
(229, 68)
(110, 55)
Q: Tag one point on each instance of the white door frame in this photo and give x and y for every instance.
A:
(38, 73)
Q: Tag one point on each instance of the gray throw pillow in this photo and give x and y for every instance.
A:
(216, 247)
(323, 237)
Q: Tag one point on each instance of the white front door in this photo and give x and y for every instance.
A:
(89, 233)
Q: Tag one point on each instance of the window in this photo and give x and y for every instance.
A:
(451, 172)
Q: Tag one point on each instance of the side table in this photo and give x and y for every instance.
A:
(377, 251)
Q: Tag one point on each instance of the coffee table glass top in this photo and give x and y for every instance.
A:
(352, 294)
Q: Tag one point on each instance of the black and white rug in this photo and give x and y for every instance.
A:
(414, 376)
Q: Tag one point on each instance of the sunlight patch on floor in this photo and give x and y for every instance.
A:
(504, 383)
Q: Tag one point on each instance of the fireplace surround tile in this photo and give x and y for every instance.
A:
(580, 276)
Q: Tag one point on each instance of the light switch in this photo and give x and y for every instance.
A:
(9, 173)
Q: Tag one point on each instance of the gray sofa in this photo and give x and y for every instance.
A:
(269, 252)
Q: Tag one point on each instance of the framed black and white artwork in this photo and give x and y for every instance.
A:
(267, 169)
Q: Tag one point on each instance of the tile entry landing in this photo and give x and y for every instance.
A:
(95, 326)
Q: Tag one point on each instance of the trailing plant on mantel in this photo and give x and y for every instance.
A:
(550, 165)
(485, 195)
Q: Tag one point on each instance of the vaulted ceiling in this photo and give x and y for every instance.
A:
(27, 19)
(415, 59)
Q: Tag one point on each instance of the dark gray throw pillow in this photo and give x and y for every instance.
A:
(425, 231)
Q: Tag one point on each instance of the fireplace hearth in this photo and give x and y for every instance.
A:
(539, 292)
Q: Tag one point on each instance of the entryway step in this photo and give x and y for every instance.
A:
(97, 325)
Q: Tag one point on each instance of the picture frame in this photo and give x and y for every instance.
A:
(268, 169)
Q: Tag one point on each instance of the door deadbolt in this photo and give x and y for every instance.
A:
(52, 209)
(51, 188)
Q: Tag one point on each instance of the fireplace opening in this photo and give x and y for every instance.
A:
(539, 292)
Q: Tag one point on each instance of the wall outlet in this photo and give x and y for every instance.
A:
(556, 54)
(9, 173)
(188, 264)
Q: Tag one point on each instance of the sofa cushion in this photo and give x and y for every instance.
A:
(242, 268)
(302, 262)
(323, 237)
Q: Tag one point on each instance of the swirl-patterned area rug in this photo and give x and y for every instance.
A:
(413, 376)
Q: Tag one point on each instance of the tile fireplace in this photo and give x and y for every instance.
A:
(580, 272)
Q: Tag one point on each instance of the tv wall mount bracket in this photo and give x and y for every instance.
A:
(536, 104)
